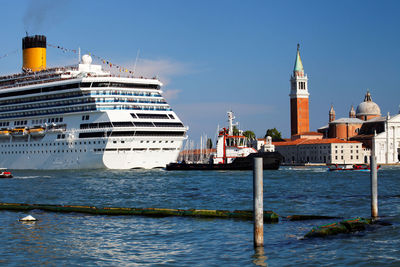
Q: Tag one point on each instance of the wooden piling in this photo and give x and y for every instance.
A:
(258, 202)
(374, 183)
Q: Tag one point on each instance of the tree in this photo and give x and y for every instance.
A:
(275, 134)
(235, 130)
(249, 134)
(209, 143)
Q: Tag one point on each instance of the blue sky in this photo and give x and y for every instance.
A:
(215, 56)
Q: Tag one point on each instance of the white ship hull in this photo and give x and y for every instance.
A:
(111, 160)
(64, 149)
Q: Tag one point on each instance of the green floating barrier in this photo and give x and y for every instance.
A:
(269, 216)
(343, 227)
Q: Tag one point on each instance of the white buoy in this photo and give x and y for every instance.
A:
(28, 218)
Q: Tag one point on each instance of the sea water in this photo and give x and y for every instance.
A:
(75, 239)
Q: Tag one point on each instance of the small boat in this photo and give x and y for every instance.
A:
(233, 152)
(4, 173)
(351, 167)
(19, 132)
(37, 131)
(4, 133)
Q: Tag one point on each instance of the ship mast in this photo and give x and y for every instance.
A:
(230, 120)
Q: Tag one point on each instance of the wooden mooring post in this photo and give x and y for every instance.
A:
(258, 209)
(374, 183)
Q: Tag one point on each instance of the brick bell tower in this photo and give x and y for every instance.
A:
(299, 114)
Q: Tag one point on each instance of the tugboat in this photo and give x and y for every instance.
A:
(233, 153)
(4, 173)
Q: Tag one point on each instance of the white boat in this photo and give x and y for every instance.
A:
(5, 133)
(82, 117)
(37, 131)
(19, 132)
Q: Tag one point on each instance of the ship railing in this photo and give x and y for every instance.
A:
(35, 82)
(36, 74)
(98, 93)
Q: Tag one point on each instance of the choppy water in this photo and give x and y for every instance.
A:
(78, 239)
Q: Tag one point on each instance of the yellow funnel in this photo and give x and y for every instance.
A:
(34, 53)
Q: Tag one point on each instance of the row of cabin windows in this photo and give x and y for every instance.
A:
(119, 85)
(48, 104)
(76, 86)
(39, 121)
(130, 100)
(32, 109)
(133, 149)
(53, 144)
(36, 112)
(129, 124)
(69, 95)
(76, 143)
(125, 93)
(84, 150)
(132, 107)
(43, 98)
(152, 116)
(49, 120)
(49, 111)
(44, 151)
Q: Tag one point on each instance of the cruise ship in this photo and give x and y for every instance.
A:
(83, 117)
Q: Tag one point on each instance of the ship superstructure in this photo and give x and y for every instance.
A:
(83, 117)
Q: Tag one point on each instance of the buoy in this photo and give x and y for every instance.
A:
(28, 218)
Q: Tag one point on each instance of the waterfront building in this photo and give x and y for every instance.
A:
(331, 143)
(347, 128)
(384, 134)
(329, 151)
(299, 108)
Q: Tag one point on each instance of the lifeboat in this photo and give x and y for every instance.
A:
(37, 131)
(4, 133)
(19, 132)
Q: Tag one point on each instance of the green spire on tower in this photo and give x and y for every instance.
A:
(298, 66)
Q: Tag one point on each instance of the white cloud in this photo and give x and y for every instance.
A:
(171, 94)
(163, 69)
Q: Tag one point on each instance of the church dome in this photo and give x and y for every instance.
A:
(368, 107)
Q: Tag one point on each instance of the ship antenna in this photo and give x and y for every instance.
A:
(137, 57)
(79, 55)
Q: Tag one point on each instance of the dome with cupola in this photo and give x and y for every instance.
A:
(368, 109)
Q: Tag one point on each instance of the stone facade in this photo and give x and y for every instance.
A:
(329, 151)
(387, 142)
